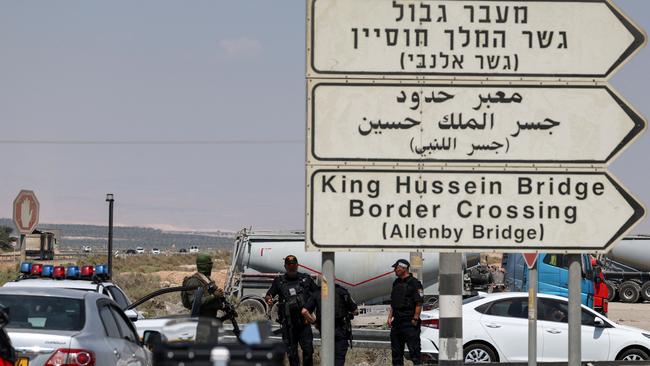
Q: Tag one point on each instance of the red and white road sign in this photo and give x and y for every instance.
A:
(530, 259)
(26, 209)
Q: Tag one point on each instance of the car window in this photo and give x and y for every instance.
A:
(110, 326)
(553, 311)
(44, 312)
(119, 297)
(557, 260)
(513, 308)
(124, 325)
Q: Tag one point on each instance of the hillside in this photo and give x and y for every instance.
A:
(75, 236)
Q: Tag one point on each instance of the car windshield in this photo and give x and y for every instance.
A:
(44, 312)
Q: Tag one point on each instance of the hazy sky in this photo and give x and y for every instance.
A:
(182, 70)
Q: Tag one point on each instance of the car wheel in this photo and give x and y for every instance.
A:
(629, 292)
(252, 305)
(633, 354)
(611, 292)
(479, 353)
(645, 291)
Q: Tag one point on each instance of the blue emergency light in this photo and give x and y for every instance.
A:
(48, 270)
(26, 267)
(101, 270)
(72, 272)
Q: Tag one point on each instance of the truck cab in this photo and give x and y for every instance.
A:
(553, 275)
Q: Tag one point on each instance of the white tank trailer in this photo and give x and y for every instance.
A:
(259, 257)
(627, 269)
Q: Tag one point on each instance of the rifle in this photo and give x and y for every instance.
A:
(228, 309)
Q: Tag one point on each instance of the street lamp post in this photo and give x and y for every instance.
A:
(110, 200)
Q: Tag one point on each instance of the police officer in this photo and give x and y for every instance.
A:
(404, 314)
(211, 301)
(296, 293)
(344, 311)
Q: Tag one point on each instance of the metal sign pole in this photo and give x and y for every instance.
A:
(575, 277)
(22, 248)
(327, 310)
(416, 269)
(451, 311)
(532, 316)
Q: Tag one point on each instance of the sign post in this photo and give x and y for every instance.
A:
(25, 214)
(531, 262)
(463, 126)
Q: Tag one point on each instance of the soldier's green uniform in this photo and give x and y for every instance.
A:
(211, 299)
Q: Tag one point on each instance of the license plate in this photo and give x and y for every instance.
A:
(22, 361)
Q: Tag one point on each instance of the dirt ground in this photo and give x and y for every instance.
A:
(635, 315)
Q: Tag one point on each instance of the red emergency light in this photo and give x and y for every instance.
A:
(37, 269)
(87, 271)
(59, 272)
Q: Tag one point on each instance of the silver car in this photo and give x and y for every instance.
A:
(71, 327)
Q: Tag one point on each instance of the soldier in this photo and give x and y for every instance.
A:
(296, 299)
(211, 301)
(404, 314)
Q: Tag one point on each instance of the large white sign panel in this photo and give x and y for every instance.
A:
(468, 123)
(581, 38)
(467, 210)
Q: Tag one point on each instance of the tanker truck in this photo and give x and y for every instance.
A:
(258, 257)
(627, 269)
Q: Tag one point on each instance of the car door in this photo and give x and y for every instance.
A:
(506, 322)
(553, 319)
(119, 348)
(137, 354)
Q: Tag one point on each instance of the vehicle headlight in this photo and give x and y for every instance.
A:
(646, 335)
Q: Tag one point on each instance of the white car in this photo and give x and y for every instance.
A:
(155, 251)
(495, 329)
(194, 249)
(139, 250)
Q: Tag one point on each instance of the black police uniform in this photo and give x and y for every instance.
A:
(295, 294)
(344, 308)
(405, 295)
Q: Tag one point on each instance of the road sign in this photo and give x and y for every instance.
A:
(443, 38)
(530, 259)
(26, 209)
(468, 211)
(468, 123)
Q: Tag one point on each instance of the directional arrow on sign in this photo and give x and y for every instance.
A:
(469, 123)
(571, 39)
(470, 211)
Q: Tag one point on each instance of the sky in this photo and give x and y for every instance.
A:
(161, 70)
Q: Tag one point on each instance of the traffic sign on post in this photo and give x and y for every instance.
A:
(443, 38)
(25, 210)
(467, 211)
(530, 259)
(468, 123)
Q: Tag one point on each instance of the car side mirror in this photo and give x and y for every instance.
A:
(131, 314)
(599, 323)
(151, 338)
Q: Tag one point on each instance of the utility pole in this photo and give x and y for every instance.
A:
(110, 200)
